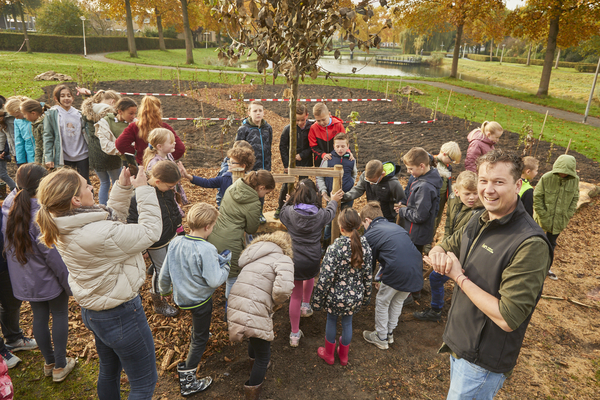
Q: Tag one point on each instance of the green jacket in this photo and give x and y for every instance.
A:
(458, 214)
(38, 132)
(240, 211)
(555, 198)
(52, 139)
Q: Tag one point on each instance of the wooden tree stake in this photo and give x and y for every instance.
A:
(166, 361)
(568, 146)
(237, 173)
(387, 86)
(337, 185)
(448, 103)
(436, 106)
(541, 132)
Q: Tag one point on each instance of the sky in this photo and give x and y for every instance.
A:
(512, 4)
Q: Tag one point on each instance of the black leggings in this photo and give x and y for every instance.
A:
(260, 350)
(82, 167)
(59, 307)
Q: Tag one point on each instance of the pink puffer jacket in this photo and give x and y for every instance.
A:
(479, 144)
(6, 386)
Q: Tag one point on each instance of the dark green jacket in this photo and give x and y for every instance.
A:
(458, 214)
(92, 113)
(555, 198)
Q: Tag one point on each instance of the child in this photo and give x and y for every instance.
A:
(5, 149)
(322, 133)
(107, 167)
(38, 273)
(303, 152)
(304, 219)
(256, 131)
(148, 117)
(481, 141)
(34, 112)
(380, 181)
(24, 141)
(422, 204)
(344, 284)
(555, 199)
(265, 281)
(339, 155)
(225, 165)
(239, 214)
(164, 178)
(64, 135)
(461, 208)
(449, 154)
(237, 157)
(400, 272)
(530, 171)
(195, 269)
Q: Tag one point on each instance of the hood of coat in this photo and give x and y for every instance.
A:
(242, 193)
(68, 223)
(477, 134)
(432, 177)
(249, 122)
(95, 111)
(391, 170)
(277, 242)
(565, 164)
(334, 121)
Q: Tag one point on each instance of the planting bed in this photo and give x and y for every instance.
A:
(561, 353)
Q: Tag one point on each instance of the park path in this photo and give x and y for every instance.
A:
(554, 112)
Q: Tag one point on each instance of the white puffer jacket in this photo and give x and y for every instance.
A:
(104, 257)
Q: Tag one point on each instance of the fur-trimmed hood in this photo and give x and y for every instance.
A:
(94, 112)
(263, 245)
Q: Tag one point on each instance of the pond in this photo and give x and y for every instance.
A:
(367, 66)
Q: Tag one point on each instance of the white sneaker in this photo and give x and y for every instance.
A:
(10, 359)
(373, 338)
(295, 338)
(390, 338)
(22, 344)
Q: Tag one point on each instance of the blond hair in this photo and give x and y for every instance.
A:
(156, 137)
(13, 104)
(452, 150)
(466, 180)
(491, 127)
(255, 103)
(148, 117)
(102, 95)
(201, 215)
(54, 196)
(320, 109)
(373, 169)
(530, 163)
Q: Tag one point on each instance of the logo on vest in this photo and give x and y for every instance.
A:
(488, 248)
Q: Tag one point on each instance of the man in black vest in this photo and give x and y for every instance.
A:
(498, 261)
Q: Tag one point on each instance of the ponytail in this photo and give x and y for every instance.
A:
(350, 221)
(262, 177)
(19, 215)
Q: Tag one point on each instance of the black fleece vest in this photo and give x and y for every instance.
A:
(381, 193)
(469, 332)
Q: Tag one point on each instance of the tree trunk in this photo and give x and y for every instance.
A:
(161, 38)
(293, 130)
(24, 26)
(550, 48)
(529, 54)
(130, 32)
(557, 58)
(187, 33)
(456, 54)
(492, 50)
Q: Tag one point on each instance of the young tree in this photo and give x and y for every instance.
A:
(187, 34)
(546, 17)
(130, 31)
(292, 35)
(60, 17)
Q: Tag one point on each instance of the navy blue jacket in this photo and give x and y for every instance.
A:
(349, 171)
(422, 207)
(401, 264)
(220, 182)
(260, 138)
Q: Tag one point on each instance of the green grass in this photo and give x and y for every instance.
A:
(203, 58)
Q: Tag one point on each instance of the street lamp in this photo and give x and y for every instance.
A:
(504, 45)
(464, 49)
(206, 38)
(82, 18)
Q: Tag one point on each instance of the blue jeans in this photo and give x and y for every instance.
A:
(436, 281)
(123, 341)
(5, 177)
(229, 284)
(469, 381)
(105, 178)
(331, 327)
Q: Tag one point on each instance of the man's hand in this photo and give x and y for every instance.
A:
(444, 263)
(326, 156)
(298, 157)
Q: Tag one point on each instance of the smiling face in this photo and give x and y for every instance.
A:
(66, 99)
(340, 147)
(128, 115)
(256, 114)
(497, 189)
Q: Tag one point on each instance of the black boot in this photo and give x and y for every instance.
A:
(252, 392)
(189, 383)
(162, 307)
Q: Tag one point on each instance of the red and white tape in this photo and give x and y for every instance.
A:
(314, 100)
(346, 122)
(151, 94)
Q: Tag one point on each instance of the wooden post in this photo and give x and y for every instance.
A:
(237, 173)
(448, 103)
(387, 86)
(337, 185)
(566, 151)
(541, 132)
(436, 106)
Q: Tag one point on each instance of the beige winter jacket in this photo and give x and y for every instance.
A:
(104, 257)
(266, 279)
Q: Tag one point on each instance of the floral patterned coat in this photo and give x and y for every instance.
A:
(341, 289)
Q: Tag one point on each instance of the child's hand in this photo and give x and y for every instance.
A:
(337, 196)
(287, 198)
(140, 179)
(351, 158)
(183, 171)
(2, 156)
(125, 177)
(50, 164)
(324, 194)
(298, 157)
(398, 206)
(83, 91)
(326, 157)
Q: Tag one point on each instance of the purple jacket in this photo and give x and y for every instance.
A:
(479, 144)
(45, 275)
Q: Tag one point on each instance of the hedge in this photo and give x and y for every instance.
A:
(74, 44)
(518, 60)
(586, 68)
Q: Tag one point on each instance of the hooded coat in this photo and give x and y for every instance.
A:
(266, 280)
(260, 138)
(305, 228)
(555, 198)
(320, 138)
(422, 207)
(92, 114)
(53, 148)
(239, 212)
(479, 144)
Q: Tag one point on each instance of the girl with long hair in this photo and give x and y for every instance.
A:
(35, 112)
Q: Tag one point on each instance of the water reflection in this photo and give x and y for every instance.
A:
(367, 66)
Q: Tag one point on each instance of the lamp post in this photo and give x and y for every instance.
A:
(464, 49)
(82, 18)
(504, 45)
(206, 34)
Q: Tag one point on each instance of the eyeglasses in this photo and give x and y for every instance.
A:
(374, 183)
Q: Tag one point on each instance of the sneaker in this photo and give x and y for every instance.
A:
(373, 338)
(22, 344)
(9, 358)
(552, 275)
(277, 212)
(428, 315)
(59, 374)
(390, 338)
(262, 219)
(48, 368)
(295, 338)
(409, 300)
(306, 310)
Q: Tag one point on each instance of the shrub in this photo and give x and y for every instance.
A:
(573, 57)
(591, 59)
(60, 17)
(586, 68)
(436, 60)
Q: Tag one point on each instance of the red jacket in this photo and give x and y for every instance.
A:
(320, 138)
(130, 135)
(479, 144)
(6, 387)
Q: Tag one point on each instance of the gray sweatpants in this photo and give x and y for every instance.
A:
(388, 307)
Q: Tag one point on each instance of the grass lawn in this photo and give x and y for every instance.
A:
(18, 69)
(203, 58)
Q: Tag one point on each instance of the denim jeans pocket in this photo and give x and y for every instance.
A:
(109, 330)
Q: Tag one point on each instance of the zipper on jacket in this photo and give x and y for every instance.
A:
(262, 147)
(479, 341)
